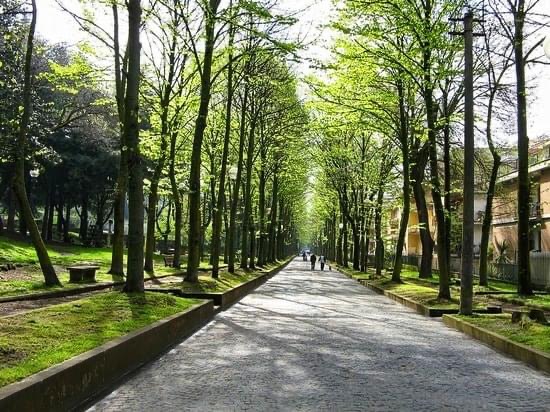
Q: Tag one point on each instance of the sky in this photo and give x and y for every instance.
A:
(56, 26)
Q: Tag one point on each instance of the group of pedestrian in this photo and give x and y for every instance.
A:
(322, 261)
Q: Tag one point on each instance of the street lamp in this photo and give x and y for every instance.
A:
(34, 173)
(341, 225)
(233, 172)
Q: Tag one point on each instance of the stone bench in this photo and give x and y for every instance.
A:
(82, 273)
(168, 260)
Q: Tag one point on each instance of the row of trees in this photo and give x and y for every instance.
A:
(203, 107)
(391, 112)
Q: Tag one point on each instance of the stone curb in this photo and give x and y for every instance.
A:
(69, 384)
(411, 304)
(225, 299)
(534, 357)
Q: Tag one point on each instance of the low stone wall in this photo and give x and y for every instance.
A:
(531, 356)
(411, 304)
(225, 299)
(69, 384)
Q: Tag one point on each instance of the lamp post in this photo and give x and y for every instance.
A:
(33, 173)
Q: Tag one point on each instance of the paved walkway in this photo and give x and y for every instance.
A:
(321, 342)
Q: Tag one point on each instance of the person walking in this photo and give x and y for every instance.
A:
(304, 257)
(322, 262)
(313, 259)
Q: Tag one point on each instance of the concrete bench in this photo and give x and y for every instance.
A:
(82, 273)
(168, 260)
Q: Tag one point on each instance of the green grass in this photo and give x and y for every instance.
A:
(62, 256)
(535, 301)
(423, 291)
(494, 285)
(38, 339)
(531, 334)
(225, 281)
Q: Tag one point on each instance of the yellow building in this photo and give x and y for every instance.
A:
(505, 205)
(413, 245)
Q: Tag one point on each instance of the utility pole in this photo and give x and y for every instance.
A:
(467, 272)
(466, 277)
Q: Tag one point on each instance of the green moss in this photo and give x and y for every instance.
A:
(36, 340)
(423, 291)
(226, 281)
(531, 334)
(534, 301)
(62, 256)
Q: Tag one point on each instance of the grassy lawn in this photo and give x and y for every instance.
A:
(29, 277)
(424, 294)
(423, 291)
(36, 340)
(530, 334)
(535, 301)
(225, 281)
(494, 285)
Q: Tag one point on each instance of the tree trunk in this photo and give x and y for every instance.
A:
(467, 263)
(447, 180)
(51, 211)
(60, 219)
(280, 234)
(245, 247)
(219, 210)
(403, 137)
(252, 245)
(345, 245)
(134, 279)
(100, 218)
(379, 251)
(117, 257)
(83, 232)
(48, 270)
(444, 287)
(236, 185)
(226, 226)
(67, 223)
(488, 215)
(274, 217)
(524, 186)
(200, 125)
(165, 98)
(44, 228)
(152, 202)
(261, 217)
(12, 209)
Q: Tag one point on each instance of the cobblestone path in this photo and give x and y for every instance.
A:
(318, 341)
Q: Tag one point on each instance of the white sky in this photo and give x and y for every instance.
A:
(56, 26)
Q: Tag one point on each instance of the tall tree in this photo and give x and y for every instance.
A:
(19, 187)
(210, 11)
(134, 280)
(218, 210)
